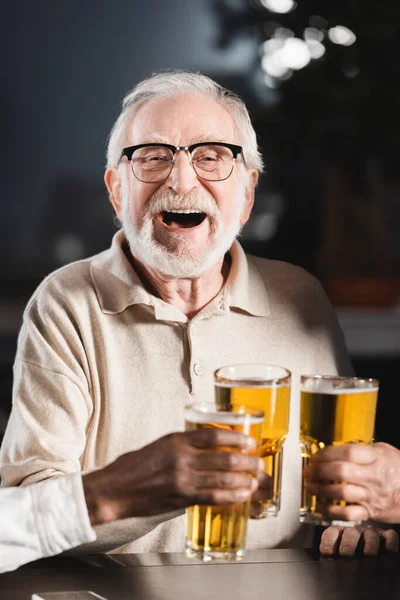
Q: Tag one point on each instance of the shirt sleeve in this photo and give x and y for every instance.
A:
(52, 401)
(42, 520)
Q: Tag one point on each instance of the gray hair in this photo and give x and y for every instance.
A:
(174, 83)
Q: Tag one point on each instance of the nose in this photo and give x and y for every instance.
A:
(182, 178)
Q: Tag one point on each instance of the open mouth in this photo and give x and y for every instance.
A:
(183, 218)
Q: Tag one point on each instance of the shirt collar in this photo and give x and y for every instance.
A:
(118, 285)
(116, 282)
(245, 288)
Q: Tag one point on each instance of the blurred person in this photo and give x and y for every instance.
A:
(371, 491)
(113, 347)
(60, 513)
(42, 519)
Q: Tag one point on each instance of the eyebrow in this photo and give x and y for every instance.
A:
(162, 139)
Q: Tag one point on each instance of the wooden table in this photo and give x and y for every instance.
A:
(263, 575)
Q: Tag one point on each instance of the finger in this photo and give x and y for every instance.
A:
(349, 541)
(261, 470)
(256, 509)
(265, 489)
(336, 471)
(227, 480)
(330, 540)
(218, 496)
(362, 454)
(210, 437)
(265, 482)
(352, 512)
(338, 491)
(390, 539)
(371, 538)
(211, 460)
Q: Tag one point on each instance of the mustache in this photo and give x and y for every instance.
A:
(163, 200)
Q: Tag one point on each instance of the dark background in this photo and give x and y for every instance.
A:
(330, 135)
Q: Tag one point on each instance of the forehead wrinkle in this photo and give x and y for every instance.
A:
(155, 138)
(183, 120)
(208, 138)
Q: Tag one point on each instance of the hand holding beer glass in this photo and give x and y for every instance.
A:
(268, 388)
(218, 532)
(334, 410)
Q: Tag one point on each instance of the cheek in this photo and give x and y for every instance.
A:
(137, 199)
(228, 201)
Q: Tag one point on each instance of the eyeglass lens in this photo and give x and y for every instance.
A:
(154, 163)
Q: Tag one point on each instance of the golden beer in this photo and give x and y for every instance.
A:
(334, 410)
(266, 387)
(219, 532)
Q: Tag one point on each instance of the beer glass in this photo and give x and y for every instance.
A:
(219, 532)
(334, 410)
(266, 387)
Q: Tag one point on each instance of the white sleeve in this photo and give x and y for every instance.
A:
(42, 519)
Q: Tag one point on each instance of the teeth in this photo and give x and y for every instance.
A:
(185, 212)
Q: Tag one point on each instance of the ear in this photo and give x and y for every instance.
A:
(250, 190)
(113, 183)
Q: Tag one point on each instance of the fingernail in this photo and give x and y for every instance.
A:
(254, 484)
(243, 495)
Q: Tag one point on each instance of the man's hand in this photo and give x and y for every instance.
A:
(175, 471)
(372, 481)
(345, 540)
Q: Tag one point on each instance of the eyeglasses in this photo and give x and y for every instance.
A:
(152, 163)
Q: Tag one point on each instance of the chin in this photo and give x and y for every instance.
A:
(180, 266)
(183, 259)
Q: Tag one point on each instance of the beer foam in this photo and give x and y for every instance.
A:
(253, 384)
(337, 386)
(222, 418)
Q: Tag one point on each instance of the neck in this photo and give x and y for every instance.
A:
(189, 295)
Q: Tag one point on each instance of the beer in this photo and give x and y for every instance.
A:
(334, 410)
(266, 387)
(219, 532)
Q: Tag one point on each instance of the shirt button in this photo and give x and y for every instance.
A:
(198, 369)
(221, 304)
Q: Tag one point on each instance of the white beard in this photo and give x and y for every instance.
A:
(182, 260)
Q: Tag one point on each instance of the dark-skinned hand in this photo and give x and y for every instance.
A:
(175, 471)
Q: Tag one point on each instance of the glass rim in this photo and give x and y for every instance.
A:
(341, 378)
(283, 380)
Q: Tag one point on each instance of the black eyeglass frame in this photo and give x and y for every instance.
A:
(234, 148)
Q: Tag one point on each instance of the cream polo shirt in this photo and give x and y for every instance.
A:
(104, 367)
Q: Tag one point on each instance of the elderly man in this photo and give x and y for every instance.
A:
(113, 347)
